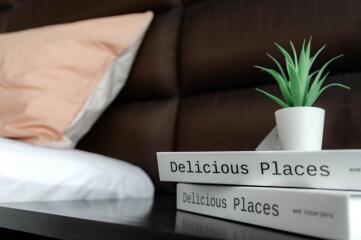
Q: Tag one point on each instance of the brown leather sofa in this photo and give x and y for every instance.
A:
(192, 84)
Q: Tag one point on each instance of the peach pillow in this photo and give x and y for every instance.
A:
(55, 81)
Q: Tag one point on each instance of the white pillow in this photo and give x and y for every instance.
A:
(113, 211)
(29, 173)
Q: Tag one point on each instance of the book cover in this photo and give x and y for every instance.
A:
(215, 228)
(319, 213)
(329, 169)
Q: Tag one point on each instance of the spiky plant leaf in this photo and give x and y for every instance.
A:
(278, 65)
(294, 55)
(312, 98)
(295, 86)
(334, 85)
(314, 91)
(309, 78)
(274, 98)
(282, 83)
(319, 74)
(285, 54)
(316, 54)
(298, 85)
(308, 48)
(303, 73)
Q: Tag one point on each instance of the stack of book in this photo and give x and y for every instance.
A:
(314, 193)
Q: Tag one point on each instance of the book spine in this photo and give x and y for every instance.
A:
(328, 170)
(305, 212)
(213, 228)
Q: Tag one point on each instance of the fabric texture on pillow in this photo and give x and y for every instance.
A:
(30, 173)
(110, 210)
(55, 81)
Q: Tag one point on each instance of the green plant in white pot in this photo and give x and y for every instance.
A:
(299, 124)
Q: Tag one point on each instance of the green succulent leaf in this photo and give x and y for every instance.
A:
(303, 72)
(319, 74)
(308, 48)
(299, 85)
(309, 78)
(314, 91)
(274, 98)
(294, 55)
(285, 54)
(282, 83)
(316, 54)
(295, 86)
(334, 85)
(278, 65)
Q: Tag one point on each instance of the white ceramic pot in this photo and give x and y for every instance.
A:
(300, 128)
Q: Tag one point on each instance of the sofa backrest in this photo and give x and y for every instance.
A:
(192, 85)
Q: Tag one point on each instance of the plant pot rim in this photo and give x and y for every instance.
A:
(299, 107)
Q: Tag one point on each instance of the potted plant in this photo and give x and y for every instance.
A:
(299, 124)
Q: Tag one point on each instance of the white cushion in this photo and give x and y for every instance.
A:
(30, 173)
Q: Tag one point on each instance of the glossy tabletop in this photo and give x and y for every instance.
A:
(125, 219)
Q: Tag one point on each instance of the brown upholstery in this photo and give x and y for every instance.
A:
(192, 84)
(5, 4)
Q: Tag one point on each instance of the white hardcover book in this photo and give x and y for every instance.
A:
(319, 213)
(215, 228)
(328, 169)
